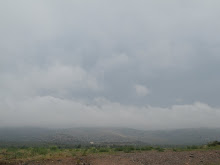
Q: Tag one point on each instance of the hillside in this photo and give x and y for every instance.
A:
(118, 136)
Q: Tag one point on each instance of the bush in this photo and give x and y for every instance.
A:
(174, 149)
(127, 150)
(73, 154)
(159, 149)
(214, 143)
(103, 150)
(39, 151)
(19, 155)
(93, 150)
(12, 149)
(84, 153)
(147, 148)
(119, 149)
(78, 146)
(53, 148)
(194, 147)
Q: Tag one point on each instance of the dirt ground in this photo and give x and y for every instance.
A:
(160, 158)
(211, 157)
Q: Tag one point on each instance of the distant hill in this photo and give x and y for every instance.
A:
(106, 136)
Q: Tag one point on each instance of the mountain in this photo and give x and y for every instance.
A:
(106, 136)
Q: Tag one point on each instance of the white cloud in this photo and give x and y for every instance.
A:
(141, 90)
(61, 77)
(54, 112)
(55, 79)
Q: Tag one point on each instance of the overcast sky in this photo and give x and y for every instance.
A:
(131, 63)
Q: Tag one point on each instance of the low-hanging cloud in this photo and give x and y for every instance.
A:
(48, 111)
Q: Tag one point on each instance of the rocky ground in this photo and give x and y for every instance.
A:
(160, 158)
(211, 157)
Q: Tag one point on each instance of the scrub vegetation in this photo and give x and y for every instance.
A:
(37, 154)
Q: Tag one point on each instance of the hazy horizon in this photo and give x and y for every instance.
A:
(148, 65)
(33, 128)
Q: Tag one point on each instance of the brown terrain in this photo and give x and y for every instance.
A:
(211, 157)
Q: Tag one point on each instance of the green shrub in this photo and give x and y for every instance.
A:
(103, 150)
(174, 149)
(159, 149)
(194, 147)
(213, 144)
(39, 151)
(93, 150)
(132, 148)
(78, 146)
(147, 148)
(73, 153)
(54, 148)
(12, 149)
(84, 152)
(119, 149)
(188, 147)
(19, 154)
(127, 150)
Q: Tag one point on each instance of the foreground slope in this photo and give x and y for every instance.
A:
(169, 157)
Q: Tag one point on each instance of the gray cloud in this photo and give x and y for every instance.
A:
(73, 52)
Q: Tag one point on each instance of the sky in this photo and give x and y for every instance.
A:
(142, 64)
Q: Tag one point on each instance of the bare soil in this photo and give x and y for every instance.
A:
(211, 157)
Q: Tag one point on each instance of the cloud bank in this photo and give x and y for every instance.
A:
(59, 113)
